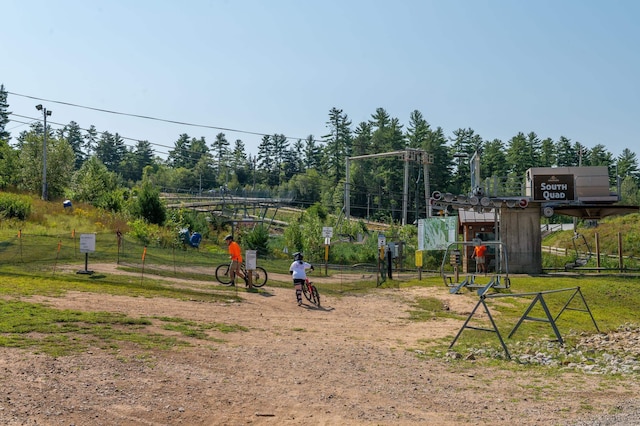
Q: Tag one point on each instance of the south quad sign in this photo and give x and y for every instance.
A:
(553, 188)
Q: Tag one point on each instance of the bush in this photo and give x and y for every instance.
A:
(148, 205)
(293, 235)
(152, 234)
(258, 240)
(14, 206)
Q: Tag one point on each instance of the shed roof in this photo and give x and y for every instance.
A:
(471, 216)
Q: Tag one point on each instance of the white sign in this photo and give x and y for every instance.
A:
(421, 235)
(87, 243)
(327, 231)
(382, 240)
(251, 257)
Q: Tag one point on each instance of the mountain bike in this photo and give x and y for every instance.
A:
(259, 275)
(311, 292)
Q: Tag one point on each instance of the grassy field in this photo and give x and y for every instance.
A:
(42, 255)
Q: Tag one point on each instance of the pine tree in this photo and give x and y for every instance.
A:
(220, 152)
(465, 144)
(266, 161)
(111, 151)
(179, 155)
(338, 144)
(547, 153)
(4, 115)
(627, 165)
(493, 161)
(90, 140)
(312, 156)
(566, 155)
(519, 155)
(599, 156)
(73, 134)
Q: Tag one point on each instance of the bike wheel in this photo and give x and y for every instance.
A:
(259, 276)
(308, 294)
(222, 274)
(315, 296)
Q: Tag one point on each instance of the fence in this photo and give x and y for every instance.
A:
(47, 251)
(55, 253)
(582, 257)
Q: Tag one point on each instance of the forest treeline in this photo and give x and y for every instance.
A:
(98, 167)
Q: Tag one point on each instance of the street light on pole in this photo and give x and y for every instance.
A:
(45, 113)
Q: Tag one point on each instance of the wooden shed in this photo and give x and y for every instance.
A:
(482, 225)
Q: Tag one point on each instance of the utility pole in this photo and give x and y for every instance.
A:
(408, 154)
(45, 113)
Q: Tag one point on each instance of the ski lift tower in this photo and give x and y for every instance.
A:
(407, 155)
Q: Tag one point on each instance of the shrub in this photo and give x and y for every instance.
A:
(148, 204)
(15, 206)
(257, 239)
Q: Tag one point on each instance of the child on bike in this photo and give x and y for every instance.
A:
(298, 273)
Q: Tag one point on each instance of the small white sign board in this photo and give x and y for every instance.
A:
(87, 243)
(251, 259)
(327, 231)
(382, 240)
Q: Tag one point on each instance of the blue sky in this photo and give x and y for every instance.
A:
(558, 68)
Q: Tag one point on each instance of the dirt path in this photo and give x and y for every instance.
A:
(353, 361)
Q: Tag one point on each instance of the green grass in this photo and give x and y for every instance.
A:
(430, 308)
(56, 332)
(36, 257)
(612, 300)
(198, 330)
(59, 332)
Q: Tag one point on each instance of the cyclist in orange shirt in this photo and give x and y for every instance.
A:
(235, 253)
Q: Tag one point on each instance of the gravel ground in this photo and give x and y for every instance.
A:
(357, 360)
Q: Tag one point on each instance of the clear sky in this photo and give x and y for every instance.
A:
(555, 67)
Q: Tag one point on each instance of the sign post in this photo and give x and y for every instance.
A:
(87, 245)
(327, 233)
(382, 242)
(251, 257)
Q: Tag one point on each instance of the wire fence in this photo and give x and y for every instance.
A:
(46, 251)
(35, 252)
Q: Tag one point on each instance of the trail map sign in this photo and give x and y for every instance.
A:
(87, 245)
(436, 233)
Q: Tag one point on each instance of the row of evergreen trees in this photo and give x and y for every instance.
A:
(92, 166)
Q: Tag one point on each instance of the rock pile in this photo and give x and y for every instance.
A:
(616, 352)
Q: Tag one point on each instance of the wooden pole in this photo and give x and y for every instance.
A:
(597, 251)
(620, 257)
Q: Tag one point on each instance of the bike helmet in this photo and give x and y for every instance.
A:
(228, 237)
(297, 256)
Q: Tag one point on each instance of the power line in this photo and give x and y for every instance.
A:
(146, 117)
(178, 153)
(86, 130)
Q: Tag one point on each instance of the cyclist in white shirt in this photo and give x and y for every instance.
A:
(298, 273)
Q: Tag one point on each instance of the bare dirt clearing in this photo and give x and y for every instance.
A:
(353, 361)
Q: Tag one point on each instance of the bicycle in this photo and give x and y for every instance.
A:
(259, 275)
(311, 292)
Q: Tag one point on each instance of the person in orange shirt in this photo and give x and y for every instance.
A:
(479, 252)
(235, 253)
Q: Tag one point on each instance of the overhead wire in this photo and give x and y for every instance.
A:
(146, 117)
(175, 153)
